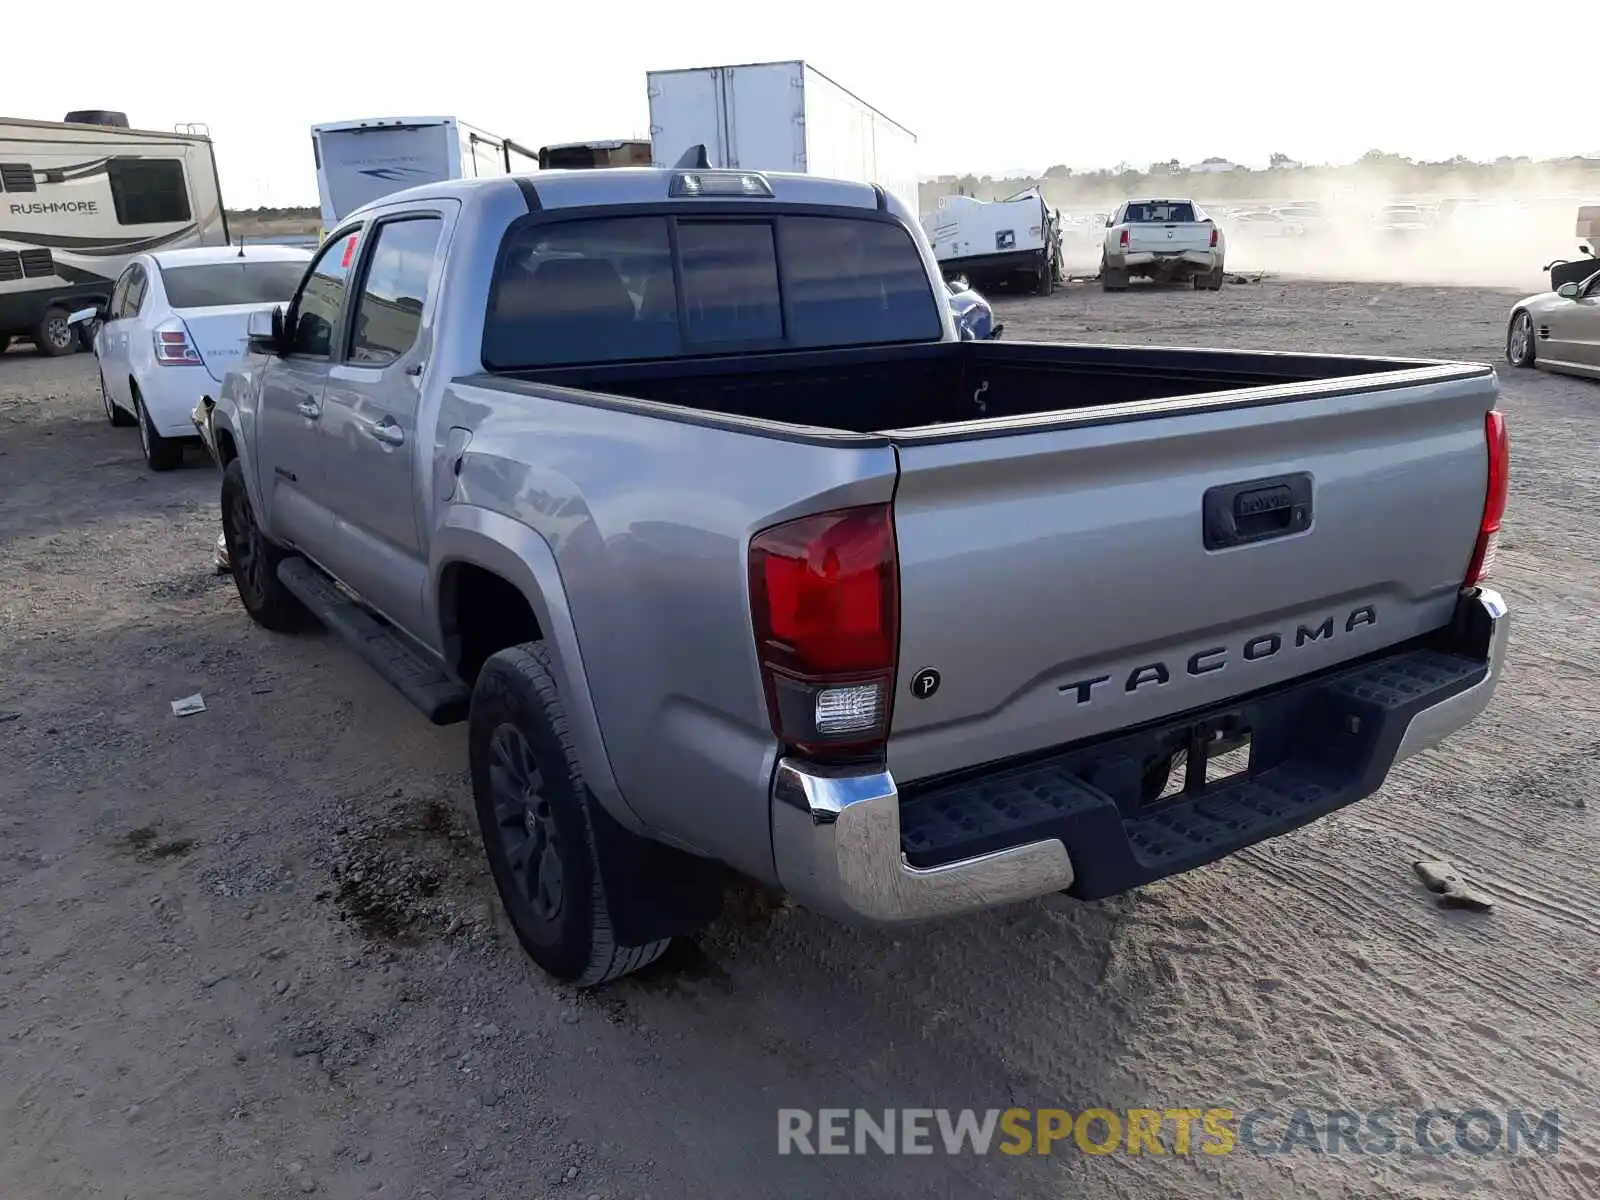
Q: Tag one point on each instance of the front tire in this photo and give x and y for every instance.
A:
(53, 336)
(160, 453)
(532, 804)
(117, 416)
(253, 560)
(1519, 340)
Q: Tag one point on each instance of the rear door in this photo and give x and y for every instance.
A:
(369, 412)
(111, 339)
(1575, 327)
(686, 109)
(289, 454)
(1061, 584)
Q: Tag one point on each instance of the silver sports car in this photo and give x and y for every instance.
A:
(1559, 330)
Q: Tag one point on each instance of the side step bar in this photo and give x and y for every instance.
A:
(438, 697)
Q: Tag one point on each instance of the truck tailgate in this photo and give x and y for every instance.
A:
(1168, 239)
(1056, 581)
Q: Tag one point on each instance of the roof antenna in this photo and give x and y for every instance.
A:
(241, 245)
(694, 159)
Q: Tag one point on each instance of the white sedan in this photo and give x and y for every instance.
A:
(175, 325)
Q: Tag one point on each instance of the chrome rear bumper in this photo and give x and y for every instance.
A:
(836, 840)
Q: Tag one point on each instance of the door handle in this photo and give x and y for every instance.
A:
(309, 409)
(387, 432)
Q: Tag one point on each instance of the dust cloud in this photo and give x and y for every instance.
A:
(1365, 227)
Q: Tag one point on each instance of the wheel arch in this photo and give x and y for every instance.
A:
(474, 546)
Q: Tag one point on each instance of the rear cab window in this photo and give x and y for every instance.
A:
(627, 289)
(1161, 213)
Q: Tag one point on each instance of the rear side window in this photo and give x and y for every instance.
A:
(389, 311)
(148, 191)
(1161, 214)
(211, 284)
(606, 289)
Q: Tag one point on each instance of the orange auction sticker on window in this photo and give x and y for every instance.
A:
(349, 251)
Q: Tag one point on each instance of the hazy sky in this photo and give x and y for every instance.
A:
(983, 90)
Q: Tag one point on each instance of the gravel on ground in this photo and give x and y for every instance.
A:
(255, 951)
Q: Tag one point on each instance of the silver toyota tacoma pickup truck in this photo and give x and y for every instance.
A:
(681, 489)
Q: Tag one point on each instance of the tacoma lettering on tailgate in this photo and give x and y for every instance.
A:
(1218, 658)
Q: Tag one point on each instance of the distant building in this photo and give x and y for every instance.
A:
(1211, 166)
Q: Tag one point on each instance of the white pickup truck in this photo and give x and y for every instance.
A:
(1164, 240)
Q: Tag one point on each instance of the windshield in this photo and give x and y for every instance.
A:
(629, 288)
(207, 285)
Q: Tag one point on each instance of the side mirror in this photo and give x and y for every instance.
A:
(264, 331)
(95, 313)
(1569, 291)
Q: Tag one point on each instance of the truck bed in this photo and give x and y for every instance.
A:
(982, 386)
(1154, 530)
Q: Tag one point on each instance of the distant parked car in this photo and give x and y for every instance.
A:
(175, 324)
(1253, 225)
(1558, 331)
(1402, 220)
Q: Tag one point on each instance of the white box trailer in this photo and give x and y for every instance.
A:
(77, 199)
(780, 116)
(363, 160)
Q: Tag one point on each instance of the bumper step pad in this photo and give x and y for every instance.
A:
(1319, 745)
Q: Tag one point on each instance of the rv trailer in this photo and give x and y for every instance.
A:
(361, 161)
(77, 199)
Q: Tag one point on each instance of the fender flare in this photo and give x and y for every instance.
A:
(490, 540)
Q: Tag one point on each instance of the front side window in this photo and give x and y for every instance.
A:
(148, 191)
(389, 309)
(314, 314)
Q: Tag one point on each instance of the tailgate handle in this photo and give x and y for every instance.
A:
(1256, 510)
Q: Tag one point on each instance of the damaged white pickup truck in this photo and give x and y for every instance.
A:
(681, 488)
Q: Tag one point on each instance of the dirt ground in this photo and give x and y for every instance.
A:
(255, 952)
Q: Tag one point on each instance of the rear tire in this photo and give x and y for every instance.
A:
(1216, 279)
(1045, 281)
(532, 804)
(117, 416)
(1520, 350)
(53, 336)
(253, 561)
(5, 342)
(160, 453)
(1112, 279)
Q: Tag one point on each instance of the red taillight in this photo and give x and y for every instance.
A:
(825, 602)
(173, 349)
(1213, 238)
(1494, 497)
(1122, 238)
